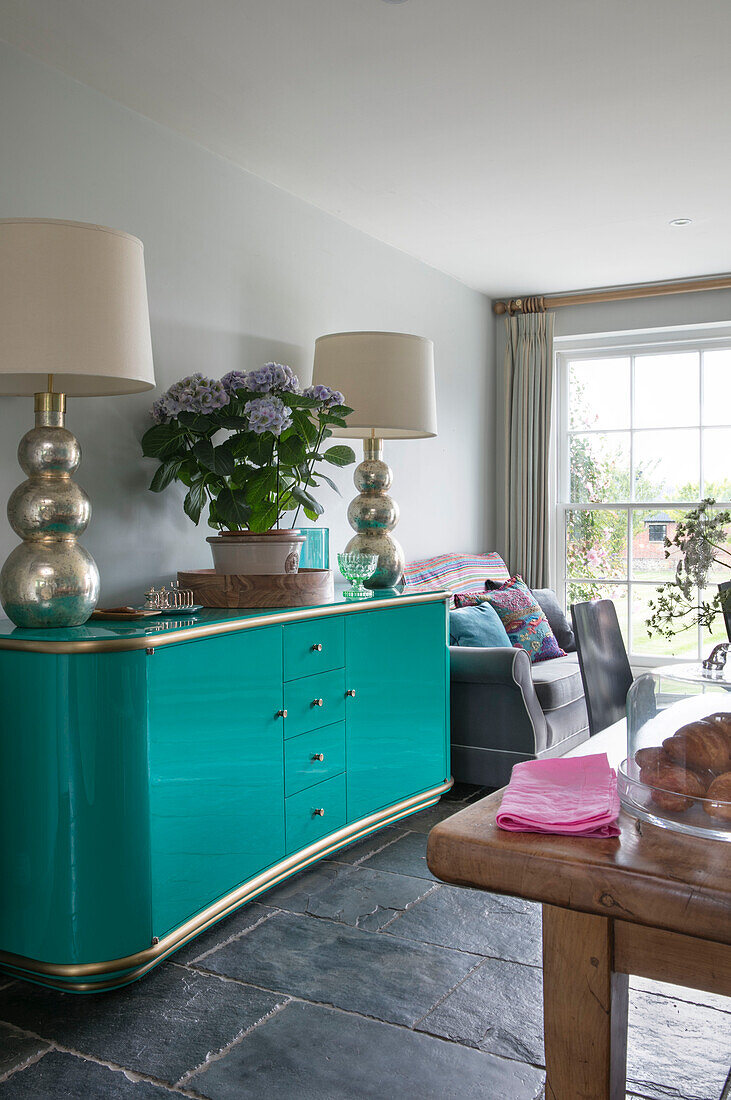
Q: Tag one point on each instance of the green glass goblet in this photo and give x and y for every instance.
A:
(357, 568)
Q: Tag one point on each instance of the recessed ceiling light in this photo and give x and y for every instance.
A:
(681, 221)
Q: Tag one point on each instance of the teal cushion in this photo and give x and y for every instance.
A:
(478, 626)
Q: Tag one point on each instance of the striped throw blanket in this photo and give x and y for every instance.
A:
(455, 573)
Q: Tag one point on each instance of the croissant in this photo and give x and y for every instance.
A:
(647, 758)
(699, 745)
(718, 798)
(678, 787)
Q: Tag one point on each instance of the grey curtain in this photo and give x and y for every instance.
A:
(528, 398)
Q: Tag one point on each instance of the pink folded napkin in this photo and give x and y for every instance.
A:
(575, 796)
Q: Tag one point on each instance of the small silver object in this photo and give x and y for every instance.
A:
(716, 662)
(170, 600)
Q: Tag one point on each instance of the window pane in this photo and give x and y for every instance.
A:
(684, 644)
(666, 390)
(667, 465)
(580, 593)
(599, 393)
(717, 461)
(649, 530)
(596, 544)
(599, 467)
(717, 387)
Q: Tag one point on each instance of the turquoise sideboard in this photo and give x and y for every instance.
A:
(154, 776)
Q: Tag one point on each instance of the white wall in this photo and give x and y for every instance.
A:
(667, 311)
(239, 273)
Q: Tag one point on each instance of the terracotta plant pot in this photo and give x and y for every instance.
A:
(244, 553)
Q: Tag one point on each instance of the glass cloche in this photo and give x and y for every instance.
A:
(678, 768)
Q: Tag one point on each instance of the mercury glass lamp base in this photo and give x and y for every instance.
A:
(373, 515)
(49, 580)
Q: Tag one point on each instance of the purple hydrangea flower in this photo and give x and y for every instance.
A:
(195, 393)
(272, 376)
(325, 395)
(268, 414)
(235, 380)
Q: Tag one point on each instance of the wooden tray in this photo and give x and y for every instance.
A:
(303, 589)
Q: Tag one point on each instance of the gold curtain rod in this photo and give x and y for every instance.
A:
(540, 303)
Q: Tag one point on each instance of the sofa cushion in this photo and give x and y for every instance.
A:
(557, 683)
(455, 573)
(477, 626)
(522, 617)
(558, 622)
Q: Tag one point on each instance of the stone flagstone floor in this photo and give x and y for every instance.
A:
(362, 977)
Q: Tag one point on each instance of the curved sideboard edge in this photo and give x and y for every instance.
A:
(207, 630)
(114, 973)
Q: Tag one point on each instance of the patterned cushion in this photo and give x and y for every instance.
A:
(455, 573)
(479, 626)
(522, 618)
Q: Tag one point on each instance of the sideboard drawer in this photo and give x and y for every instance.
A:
(302, 764)
(314, 813)
(314, 646)
(314, 701)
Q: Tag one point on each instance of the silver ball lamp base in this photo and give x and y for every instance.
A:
(49, 580)
(373, 515)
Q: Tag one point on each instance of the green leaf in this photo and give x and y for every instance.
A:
(328, 481)
(162, 441)
(340, 455)
(307, 501)
(310, 514)
(263, 517)
(326, 418)
(219, 460)
(195, 498)
(340, 410)
(165, 473)
(232, 509)
(297, 401)
(260, 484)
(259, 449)
(195, 423)
(291, 450)
(304, 425)
(232, 422)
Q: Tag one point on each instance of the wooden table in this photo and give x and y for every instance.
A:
(651, 902)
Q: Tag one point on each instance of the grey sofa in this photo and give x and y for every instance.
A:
(504, 710)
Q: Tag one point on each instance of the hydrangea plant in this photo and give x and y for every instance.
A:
(248, 446)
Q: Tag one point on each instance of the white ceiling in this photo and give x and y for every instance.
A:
(520, 145)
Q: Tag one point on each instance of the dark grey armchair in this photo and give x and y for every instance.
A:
(505, 709)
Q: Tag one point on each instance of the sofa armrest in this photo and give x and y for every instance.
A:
(489, 665)
(494, 704)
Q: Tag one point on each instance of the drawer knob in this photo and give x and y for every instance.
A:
(318, 813)
(319, 756)
(281, 714)
(317, 648)
(351, 693)
(317, 702)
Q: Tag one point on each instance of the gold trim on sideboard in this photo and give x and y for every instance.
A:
(122, 971)
(207, 630)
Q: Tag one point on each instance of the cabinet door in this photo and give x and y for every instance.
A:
(216, 768)
(396, 737)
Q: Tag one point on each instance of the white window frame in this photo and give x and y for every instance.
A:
(620, 345)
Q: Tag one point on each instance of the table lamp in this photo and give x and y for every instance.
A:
(388, 380)
(73, 320)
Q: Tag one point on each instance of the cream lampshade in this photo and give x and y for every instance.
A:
(74, 320)
(388, 380)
